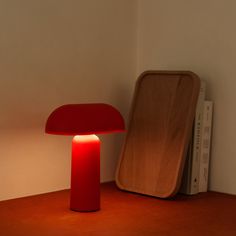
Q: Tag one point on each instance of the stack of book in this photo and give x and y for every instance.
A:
(195, 175)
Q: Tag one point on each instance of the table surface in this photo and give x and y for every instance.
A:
(122, 213)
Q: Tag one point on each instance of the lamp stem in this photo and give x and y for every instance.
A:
(85, 173)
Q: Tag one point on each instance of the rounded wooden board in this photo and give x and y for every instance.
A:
(158, 133)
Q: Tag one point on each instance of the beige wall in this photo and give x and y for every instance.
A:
(198, 36)
(51, 53)
(56, 52)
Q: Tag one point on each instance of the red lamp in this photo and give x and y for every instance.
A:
(83, 121)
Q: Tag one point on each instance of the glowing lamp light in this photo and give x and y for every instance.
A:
(83, 121)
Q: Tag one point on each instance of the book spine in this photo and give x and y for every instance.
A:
(194, 180)
(205, 146)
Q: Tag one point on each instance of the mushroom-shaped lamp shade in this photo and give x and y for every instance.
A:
(84, 121)
(75, 119)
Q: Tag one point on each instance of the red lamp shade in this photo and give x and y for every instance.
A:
(94, 118)
(84, 120)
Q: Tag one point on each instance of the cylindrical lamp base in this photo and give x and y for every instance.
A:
(85, 173)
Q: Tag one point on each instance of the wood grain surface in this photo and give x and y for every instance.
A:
(122, 214)
(159, 130)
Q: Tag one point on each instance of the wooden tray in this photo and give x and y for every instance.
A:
(159, 130)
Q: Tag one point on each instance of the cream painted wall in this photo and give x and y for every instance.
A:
(51, 53)
(198, 36)
(56, 52)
